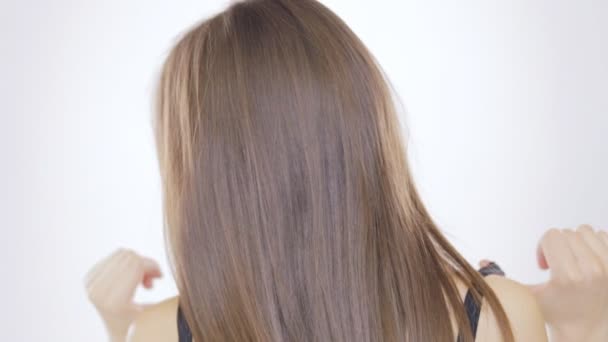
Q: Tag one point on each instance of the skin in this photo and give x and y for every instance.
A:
(111, 285)
(575, 299)
(573, 302)
(158, 323)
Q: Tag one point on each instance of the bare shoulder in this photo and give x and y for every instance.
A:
(156, 323)
(524, 314)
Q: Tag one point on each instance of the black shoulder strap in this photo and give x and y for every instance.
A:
(183, 330)
(471, 306)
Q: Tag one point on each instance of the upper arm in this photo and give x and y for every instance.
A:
(156, 323)
(521, 307)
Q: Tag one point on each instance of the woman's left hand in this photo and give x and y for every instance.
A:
(111, 286)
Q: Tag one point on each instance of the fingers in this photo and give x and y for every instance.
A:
(557, 254)
(116, 277)
(574, 256)
(589, 265)
(575, 296)
(604, 237)
(107, 283)
(595, 243)
(145, 271)
(135, 270)
(98, 279)
(132, 272)
(151, 271)
(151, 268)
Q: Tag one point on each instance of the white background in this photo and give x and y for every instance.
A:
(507, 106)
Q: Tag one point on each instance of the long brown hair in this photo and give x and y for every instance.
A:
(291, 214)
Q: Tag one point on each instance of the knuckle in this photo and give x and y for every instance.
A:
(584, 227)
(568, 232)
(129, 253)
(553, 233)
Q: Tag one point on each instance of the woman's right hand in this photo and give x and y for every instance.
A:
(575, 299)
(111, 286)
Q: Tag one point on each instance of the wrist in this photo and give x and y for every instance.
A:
(117, 331)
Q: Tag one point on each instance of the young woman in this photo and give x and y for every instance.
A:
(291, 214)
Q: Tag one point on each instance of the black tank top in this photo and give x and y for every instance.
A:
(471, 306)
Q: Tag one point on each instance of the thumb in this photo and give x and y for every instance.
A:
(541, 260)
(151, 267)
(484, 263)
(151, 271)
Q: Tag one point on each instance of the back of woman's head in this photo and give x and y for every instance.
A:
(291, 213)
